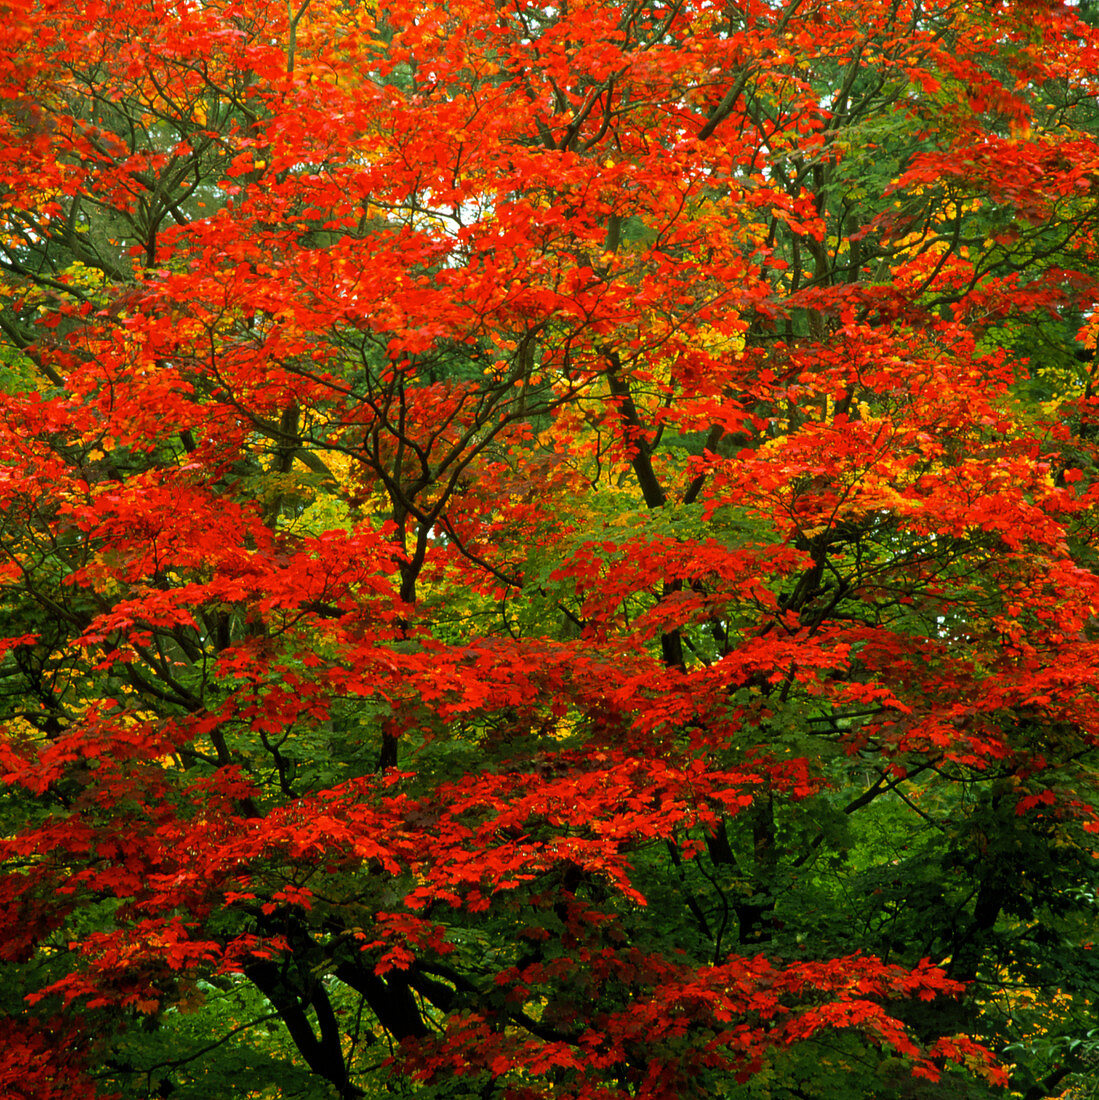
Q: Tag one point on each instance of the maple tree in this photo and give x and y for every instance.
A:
(548, 550)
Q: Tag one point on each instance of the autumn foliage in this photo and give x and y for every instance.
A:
(548, 551)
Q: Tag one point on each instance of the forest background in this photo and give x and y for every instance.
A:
(548, 550)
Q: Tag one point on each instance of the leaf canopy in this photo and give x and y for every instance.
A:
(548, 551)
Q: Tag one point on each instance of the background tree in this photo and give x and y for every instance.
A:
(547, 550)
